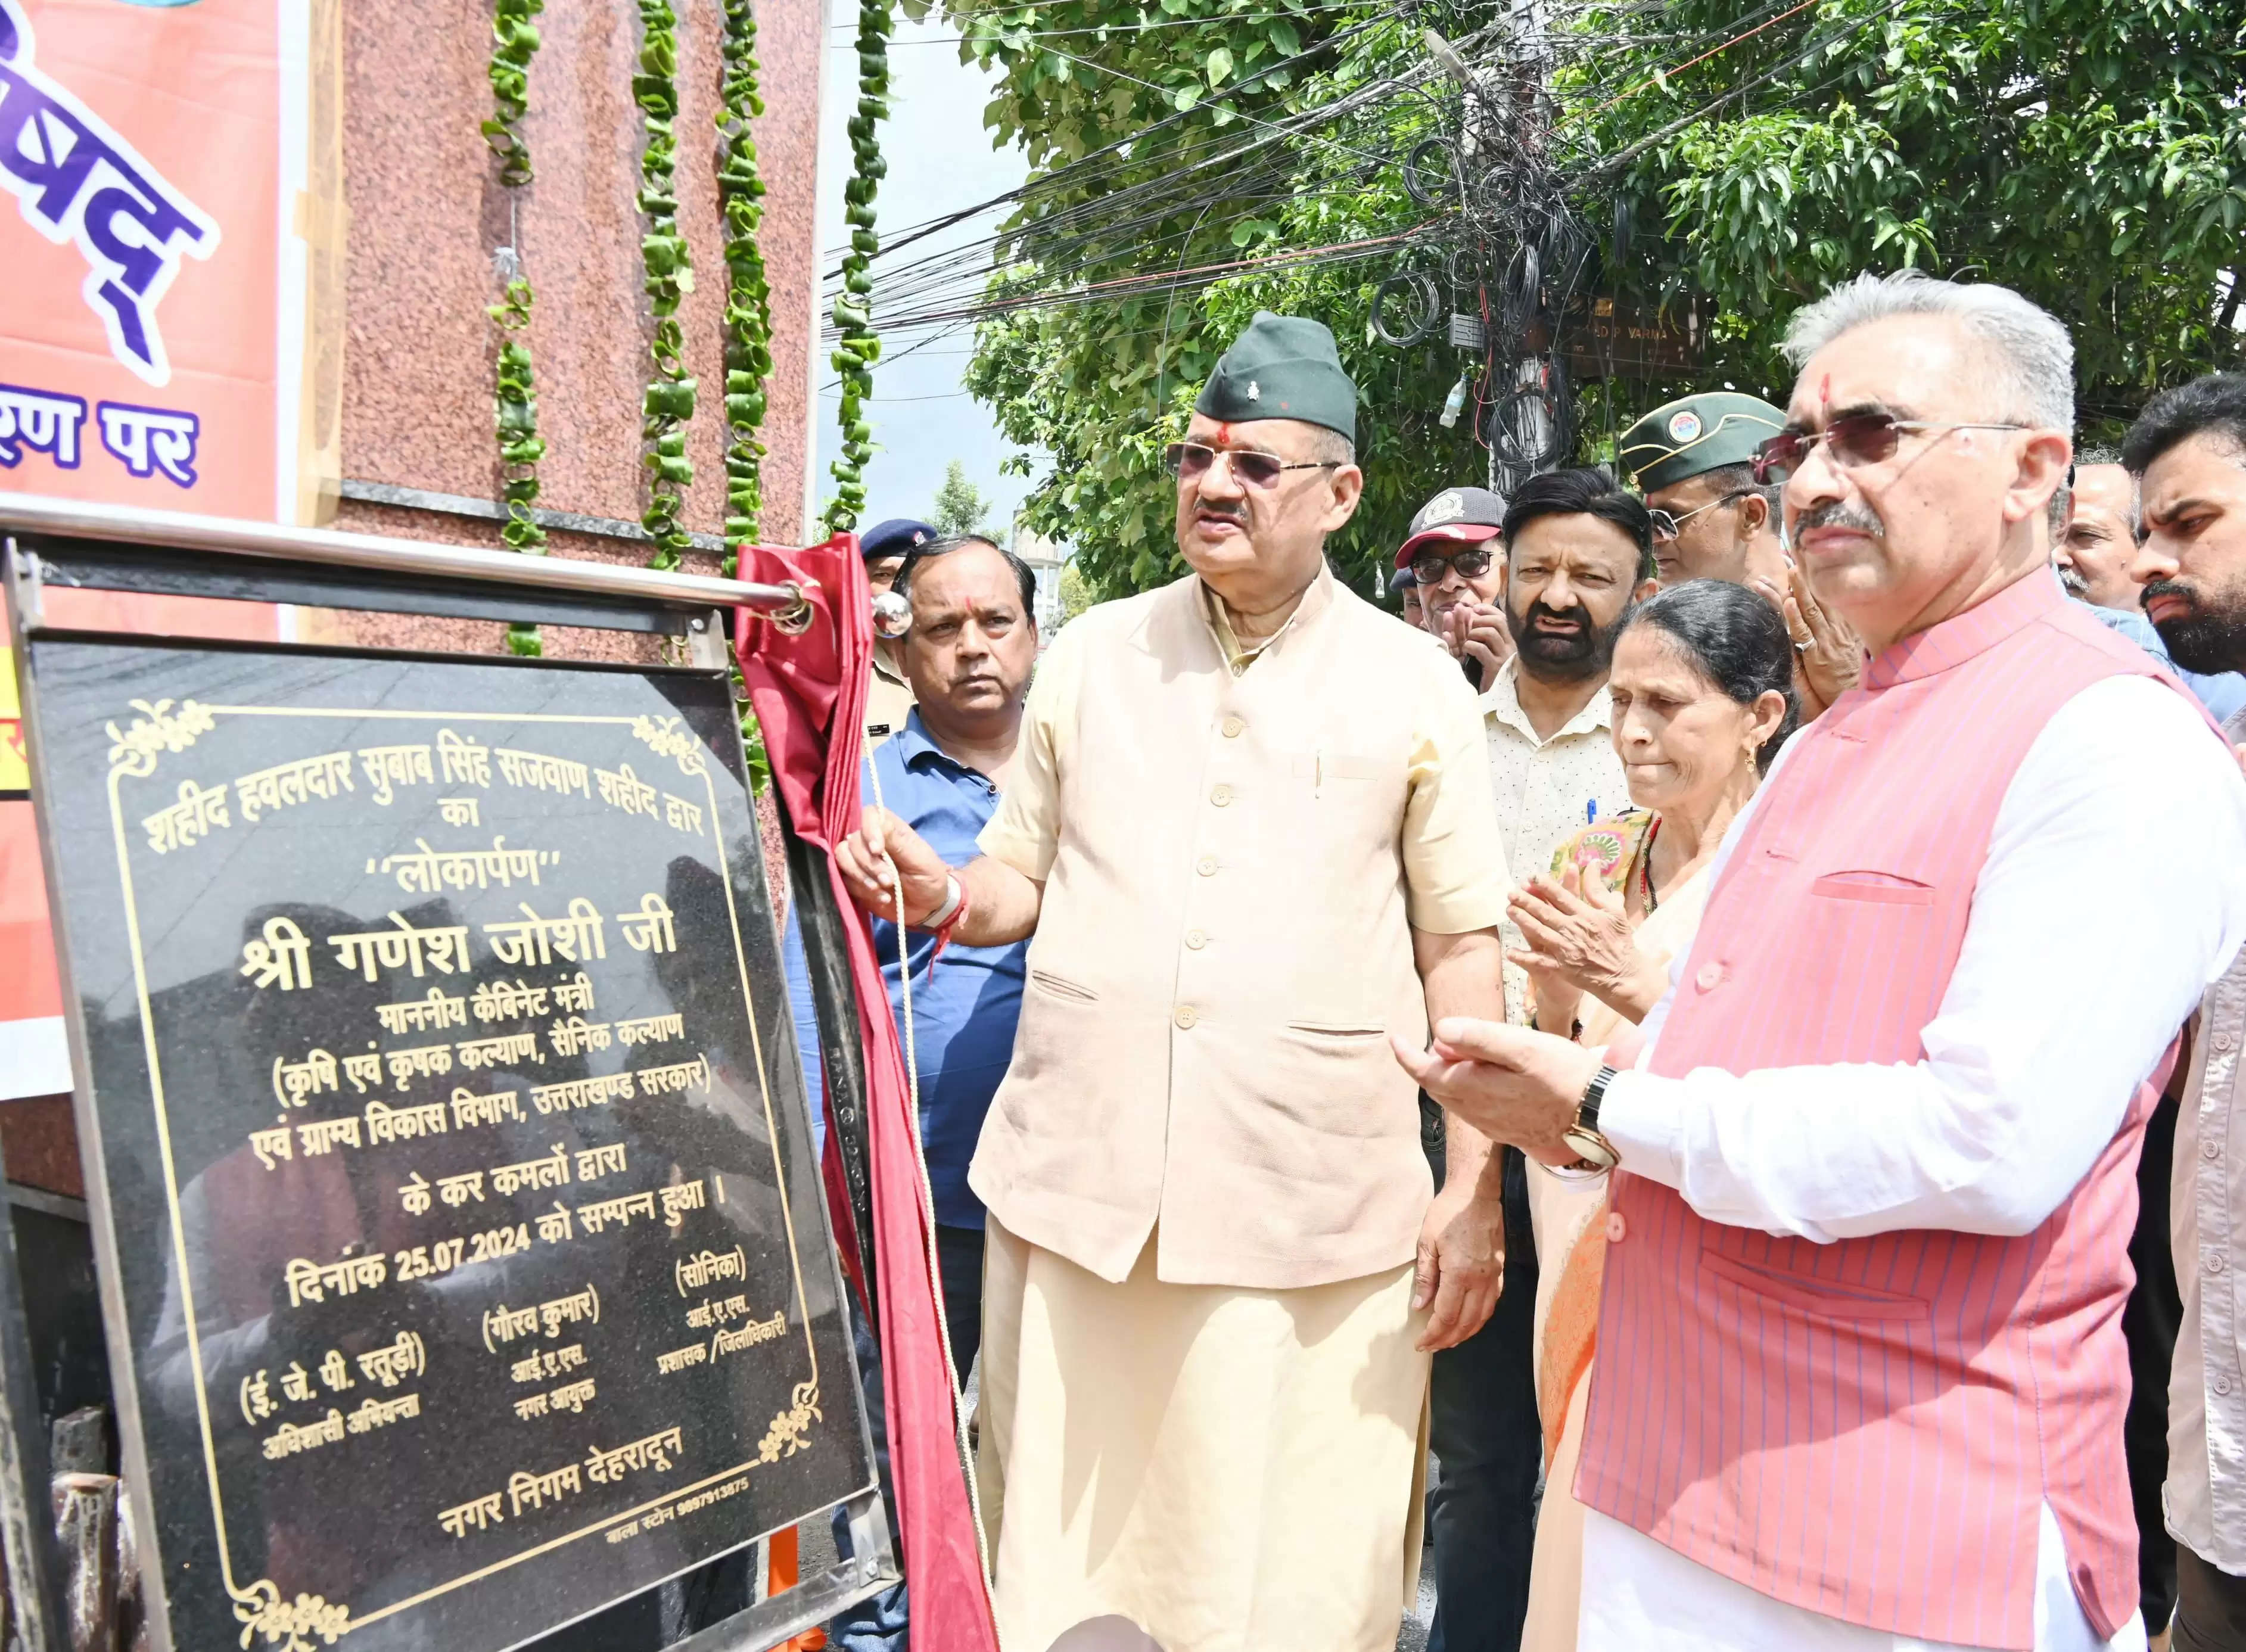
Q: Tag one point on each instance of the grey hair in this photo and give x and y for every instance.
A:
(2029, 348)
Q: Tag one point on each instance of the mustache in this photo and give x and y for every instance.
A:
(2176, 588)
(1574, 649)
(1573, 618)
(2073, 582)
(1841, 512)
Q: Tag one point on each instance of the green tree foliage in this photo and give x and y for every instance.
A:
(1075, 593)
(960, 508)
(1142, 91)
(2092, 155)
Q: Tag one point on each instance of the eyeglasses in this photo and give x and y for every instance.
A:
(1856, 439)
(1189, 461)
(1666, 524)
(1430, 567)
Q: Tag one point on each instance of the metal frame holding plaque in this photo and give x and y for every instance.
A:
(463, 1254)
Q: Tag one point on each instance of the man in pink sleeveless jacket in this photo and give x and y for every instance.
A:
(1860, 1374)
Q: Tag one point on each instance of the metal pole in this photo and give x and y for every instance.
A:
(69, 519)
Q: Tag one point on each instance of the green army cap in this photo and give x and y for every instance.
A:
(1695, 433)
(1281, 367)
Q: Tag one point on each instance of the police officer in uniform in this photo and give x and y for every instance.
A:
(1693, 461)
(883, 547)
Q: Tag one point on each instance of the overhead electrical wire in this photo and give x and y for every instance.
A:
(1106, 29)
(1511, 141)
(1100, 219)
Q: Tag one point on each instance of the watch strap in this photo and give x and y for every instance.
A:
(1595, 1095)
(1595, 1155)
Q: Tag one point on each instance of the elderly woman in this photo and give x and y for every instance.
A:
(1703, 699)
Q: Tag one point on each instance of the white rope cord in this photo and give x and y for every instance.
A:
(928, 1199)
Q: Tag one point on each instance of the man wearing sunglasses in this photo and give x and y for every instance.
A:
(1452, 550)
(1861, 1376)
(1250, 830)
(1694, 459)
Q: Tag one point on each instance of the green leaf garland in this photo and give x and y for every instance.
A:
(667, 402)
(516, 38)
(748, 293)
(521, 447)
(748, 327)
(515, 397)
(854, 318)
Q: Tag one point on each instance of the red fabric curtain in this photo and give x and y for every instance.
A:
(809, 693)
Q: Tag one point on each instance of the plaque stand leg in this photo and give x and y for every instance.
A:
(872, 1567)
(27, 1518)
(820, 921)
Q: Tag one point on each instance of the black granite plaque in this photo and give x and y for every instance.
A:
(464, 1254)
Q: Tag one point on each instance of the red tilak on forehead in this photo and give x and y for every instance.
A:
(1223, 434)
(1825, 392)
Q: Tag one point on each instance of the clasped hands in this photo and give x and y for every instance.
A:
(1475, 630)
(1523, 1087)
(1513, 1085)
(1580, 942)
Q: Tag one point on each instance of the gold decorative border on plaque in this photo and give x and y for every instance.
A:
(158, 729)
(784, 1436)
(285, 1624)
(668, 739)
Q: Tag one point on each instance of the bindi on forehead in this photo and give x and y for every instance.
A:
(1804, 414)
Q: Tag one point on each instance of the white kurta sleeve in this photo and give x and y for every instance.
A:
(2114, 892)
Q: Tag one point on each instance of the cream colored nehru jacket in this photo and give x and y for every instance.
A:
(1234, 850)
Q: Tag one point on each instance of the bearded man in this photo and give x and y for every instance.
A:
(2187, 450)
(1579, 556)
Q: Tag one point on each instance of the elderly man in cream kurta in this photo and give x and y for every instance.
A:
(1251, 830)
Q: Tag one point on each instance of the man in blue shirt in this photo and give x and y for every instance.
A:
(967, 659)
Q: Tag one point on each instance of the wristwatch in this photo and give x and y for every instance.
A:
(1595, 1155)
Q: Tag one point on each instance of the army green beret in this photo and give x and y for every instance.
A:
(1281, 367)
(1695, 433)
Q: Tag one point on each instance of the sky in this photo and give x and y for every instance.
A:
(940, 160)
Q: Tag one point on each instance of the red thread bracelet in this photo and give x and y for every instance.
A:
(943, 931)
